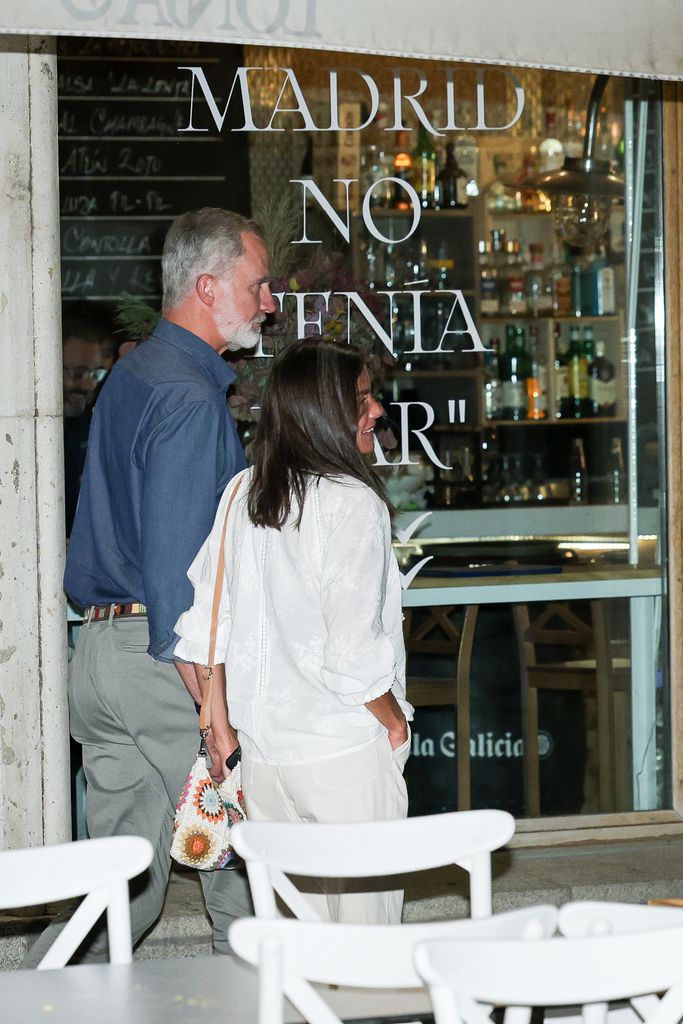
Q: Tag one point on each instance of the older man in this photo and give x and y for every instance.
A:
(162, 448)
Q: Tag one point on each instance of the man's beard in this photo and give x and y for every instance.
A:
(75, 404)
(238, 333)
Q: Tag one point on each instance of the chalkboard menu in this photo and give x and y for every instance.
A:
(125, 171)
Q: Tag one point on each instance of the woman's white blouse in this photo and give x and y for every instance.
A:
(309, 623)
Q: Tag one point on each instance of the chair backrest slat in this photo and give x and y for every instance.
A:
(98, 869)
(374, 848)
(371, 956)
(555, 971)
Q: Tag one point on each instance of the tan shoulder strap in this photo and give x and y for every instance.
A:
(205, 713)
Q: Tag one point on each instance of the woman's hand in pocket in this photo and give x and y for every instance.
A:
(387, 711)
(399, 735)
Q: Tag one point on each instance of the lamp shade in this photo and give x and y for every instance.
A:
(583, 175)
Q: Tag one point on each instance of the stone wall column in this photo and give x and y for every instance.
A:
(34, 739)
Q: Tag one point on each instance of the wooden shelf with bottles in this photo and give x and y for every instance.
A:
(551, 331)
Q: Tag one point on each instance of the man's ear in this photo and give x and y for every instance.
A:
(204, 288)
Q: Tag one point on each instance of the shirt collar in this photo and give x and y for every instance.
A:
(219, 370)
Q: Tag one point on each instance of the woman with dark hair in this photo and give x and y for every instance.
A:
(310, 622)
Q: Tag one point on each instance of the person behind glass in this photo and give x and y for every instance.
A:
(86, 347)
(162, 448)
(310, 622)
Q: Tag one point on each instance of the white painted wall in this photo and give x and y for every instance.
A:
(34, 752)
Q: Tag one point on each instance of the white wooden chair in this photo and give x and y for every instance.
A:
(466, 977)
(293, 955)
(272, 850)
(595, 917)
(98, 869)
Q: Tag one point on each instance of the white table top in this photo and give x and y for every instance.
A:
(193, 990)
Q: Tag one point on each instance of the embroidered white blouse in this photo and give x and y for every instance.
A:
(309, 623)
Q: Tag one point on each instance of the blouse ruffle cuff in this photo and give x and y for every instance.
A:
(187, 650)
(380, 687)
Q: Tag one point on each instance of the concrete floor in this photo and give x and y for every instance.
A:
(630, 872)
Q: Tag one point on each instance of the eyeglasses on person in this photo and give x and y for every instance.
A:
(84, 373)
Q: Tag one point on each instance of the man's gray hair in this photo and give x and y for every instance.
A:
(206, 241)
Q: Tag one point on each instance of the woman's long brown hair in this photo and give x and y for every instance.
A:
(307, 429)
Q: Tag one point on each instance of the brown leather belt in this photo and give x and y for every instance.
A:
(117, 611)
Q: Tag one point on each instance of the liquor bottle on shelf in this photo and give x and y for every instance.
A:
(513, 299)
(489, 297)
(488, 462)
(602, 385)
(492, 408)
(617, 480)
(561, 283)
(540, 491)
(576, 304)
(538, 286)
(467, 156)
(441, 268)
(415, 274)
(533, 200)
(537, 381)
(390, 262)
(499, 197)
(373, 258)
(572, 133)
(533, 278)
(561, 375)
(578, 403)
(550, 150)
(515, 368)
(597, 287)
(403, 169)
(451, 183)
(377, 165)
(578, 474)
(498, 239)
(588, 343)
(424, 168)
(466, 148)
(441, 273)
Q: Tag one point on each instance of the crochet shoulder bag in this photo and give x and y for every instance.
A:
(206, 810)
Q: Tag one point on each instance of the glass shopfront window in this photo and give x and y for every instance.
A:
(512, 310)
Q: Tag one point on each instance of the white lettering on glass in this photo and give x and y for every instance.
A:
(218, 118)
(311, 189)
(401, 98)
(419, 432)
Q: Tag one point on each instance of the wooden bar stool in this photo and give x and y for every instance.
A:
(434, 632)
(592, 668)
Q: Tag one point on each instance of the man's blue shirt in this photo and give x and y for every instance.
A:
(162, 449)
